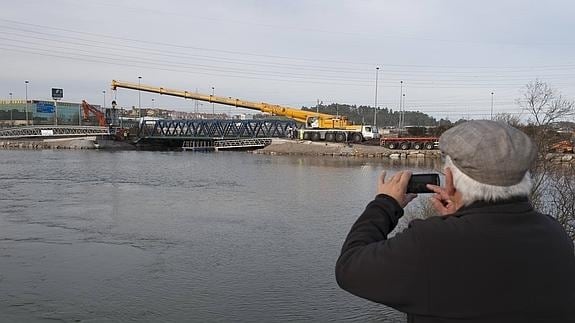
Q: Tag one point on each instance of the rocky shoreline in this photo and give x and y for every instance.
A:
(310, 148)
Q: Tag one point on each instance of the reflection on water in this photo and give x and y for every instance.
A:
(166, 236)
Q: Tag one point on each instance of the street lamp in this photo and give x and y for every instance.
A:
(491, 105)
(402, 113)
(139, 96)
(11, 120)
(26, 82)
(153, 106)
(375, 105)
(213, 110)
(400, 101)
(104, 95)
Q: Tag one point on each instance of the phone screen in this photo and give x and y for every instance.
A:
(417, 183)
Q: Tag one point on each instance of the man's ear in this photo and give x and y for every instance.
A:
(449, 187)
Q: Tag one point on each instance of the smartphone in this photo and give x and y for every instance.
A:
(417, 182)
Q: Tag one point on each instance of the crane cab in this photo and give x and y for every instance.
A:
(370, 132)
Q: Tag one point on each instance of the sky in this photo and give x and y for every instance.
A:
(446, 56)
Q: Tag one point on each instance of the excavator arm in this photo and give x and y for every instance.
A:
(309, 118)
(97, 113)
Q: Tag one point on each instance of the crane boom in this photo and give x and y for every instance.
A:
(309, 118)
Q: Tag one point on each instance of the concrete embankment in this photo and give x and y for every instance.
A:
(74, 143)
(309, 148)
(66, 143)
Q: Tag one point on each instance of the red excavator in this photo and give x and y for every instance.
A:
(100, 116)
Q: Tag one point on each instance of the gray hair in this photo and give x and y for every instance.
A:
(472, 190)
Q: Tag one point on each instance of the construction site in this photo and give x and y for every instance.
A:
(40, 123)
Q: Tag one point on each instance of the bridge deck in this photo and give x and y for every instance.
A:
(42, 131)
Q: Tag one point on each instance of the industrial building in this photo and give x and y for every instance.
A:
(37, 112)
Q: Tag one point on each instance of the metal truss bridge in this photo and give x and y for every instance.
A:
(215, 129)
(52, 131)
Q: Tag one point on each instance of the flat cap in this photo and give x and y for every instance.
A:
(489, 152)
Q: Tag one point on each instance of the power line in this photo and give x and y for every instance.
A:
(283, 58)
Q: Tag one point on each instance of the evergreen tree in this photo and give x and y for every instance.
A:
(385, 117)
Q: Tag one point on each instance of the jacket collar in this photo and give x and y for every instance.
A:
(520, 204)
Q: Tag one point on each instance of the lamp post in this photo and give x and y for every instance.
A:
(26, 84)
(230, 116)
(375, 105)
(153, 105)
(104, 102)
(11, 120)
(402, 113)
(139, 96)
(400, 101)
(80, 115)
(213, 110)
(491, 105)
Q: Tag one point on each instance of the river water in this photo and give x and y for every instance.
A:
(97, 236)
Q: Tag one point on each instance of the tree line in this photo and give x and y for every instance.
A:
(385, 117)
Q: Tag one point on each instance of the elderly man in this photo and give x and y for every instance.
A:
(489, 257)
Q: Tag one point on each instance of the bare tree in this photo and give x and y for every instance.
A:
(563, 198)
(510, 119)
(545, 105)
(553, 187)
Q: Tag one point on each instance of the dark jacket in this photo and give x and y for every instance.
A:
(499, 262)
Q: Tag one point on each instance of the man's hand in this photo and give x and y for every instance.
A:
(445, 201)
(396, 187)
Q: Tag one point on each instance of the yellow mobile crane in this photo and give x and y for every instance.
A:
(317, 126)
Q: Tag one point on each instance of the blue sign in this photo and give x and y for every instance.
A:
(45, 107)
